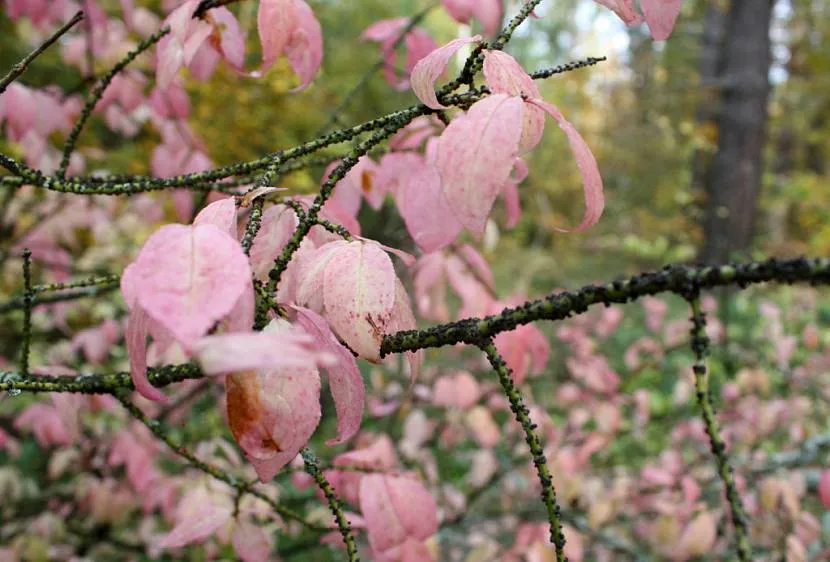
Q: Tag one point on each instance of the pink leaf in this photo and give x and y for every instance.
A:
(276, 22)
(396, 508)
(305, 49)
(135, 336)
(490, 14)
(251, 543)
(243, 351)
(425, 210)
(345, 381)
(588, 169)
(475, 156)
(196, 528)
(221, 214)
(272, 414)
(188, 278)
(401, 319)
(276, 227)
(460, 390)
(824, 488)
(231, 42)
(359, 295)
(384, 29)
(624, 9)
(311, 276)
(460, 10)
(429, 68)
(661, 16)
(504, 75)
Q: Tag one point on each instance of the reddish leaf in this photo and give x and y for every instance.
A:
(272, 414)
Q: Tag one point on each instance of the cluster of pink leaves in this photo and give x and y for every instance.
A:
(190, 290)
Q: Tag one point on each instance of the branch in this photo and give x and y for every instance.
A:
(15, 383)
(18, 69)
(312, 466)
(700, 347)
(537, 453)
(674, 279)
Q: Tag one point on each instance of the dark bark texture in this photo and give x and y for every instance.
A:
(737, 170)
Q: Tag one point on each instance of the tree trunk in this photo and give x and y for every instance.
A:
(738, 167)
(711, 70)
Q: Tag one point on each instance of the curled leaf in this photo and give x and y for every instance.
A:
(429, 68)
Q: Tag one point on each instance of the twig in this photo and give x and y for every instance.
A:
(21, 67)
(700, 347)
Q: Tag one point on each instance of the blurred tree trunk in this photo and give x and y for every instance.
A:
(737, 171)
(710, 68)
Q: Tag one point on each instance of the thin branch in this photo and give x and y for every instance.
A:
(18, 69)
(700, 347)
(537, 452)
(312, 466)
(95, 96)
(27, 312)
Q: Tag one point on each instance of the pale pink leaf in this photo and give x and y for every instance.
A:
(504, 75)
(660, 16)
(401, 319)
(305, 49)
(276, 227)
(251, 543)
(359, 296)
(242, 351)
(588, 169)
(188, 278)
(241, 317)
(624, 9)
(311, 276)
(197, 528)
(460, 10)
(345, 381)
(276, 22)
(221, 214)
(383, 29)
(231, 37)
(135, 336)
(396, 508)
(460, 390)
(475, 156)
(490, 14)
(425, 210)
(429, 68)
